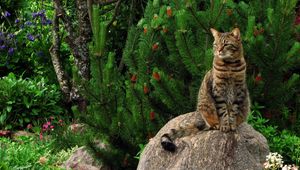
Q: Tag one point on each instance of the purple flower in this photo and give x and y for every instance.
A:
(11, 51)
(2, 47)
(7, 14)
(28, 23)
(10, 35)
(38, 14)
(34, 14)
(48, 22)
(17, 21)
(42, 12)
(30, 37)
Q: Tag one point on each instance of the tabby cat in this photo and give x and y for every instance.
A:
(223, 100)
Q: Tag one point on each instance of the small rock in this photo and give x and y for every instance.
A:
(82, 160)
(17, 134)
(5, 133)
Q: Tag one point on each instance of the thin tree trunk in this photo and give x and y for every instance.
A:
(77, 39)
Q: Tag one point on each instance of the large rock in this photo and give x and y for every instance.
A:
(244, 149)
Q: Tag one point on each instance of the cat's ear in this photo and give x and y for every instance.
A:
(236, 33)
(215, 33)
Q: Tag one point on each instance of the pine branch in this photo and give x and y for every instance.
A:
(207, 31)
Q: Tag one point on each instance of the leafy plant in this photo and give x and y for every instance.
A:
(31, 153)
(284, 142)
(26, 101)
(25, 38)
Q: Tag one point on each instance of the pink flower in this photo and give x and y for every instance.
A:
(45, 127)
(29, 126)
(41, 136)
(51, 117)
(51, 127)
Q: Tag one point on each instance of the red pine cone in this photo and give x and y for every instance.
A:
(155, 46)
(156, 76)
(133, 78)
(152, 116)
(165, 30)
(169, 11)
(229, 12)
(258, 78)
(146, 89)
(145, 30)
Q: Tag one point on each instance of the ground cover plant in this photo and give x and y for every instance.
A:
(31, 153)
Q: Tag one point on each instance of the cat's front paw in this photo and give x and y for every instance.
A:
(167, 143)
(233, 127)
(225, 125)
(225, 128)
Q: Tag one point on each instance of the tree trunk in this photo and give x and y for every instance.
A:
(77, 38)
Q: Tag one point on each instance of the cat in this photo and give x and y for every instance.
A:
(223, 99)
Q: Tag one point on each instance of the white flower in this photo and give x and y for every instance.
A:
(286, 167)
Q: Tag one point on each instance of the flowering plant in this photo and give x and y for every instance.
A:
(25, 39)
(275, 161)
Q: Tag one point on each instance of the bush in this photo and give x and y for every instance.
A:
(284, 142)
(26, 101)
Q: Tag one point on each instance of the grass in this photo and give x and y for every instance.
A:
(31, 153)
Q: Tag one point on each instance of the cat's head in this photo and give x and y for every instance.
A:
(227, 45)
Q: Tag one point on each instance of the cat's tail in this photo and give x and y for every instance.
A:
(182, 130)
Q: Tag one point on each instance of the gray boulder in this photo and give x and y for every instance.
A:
(81, 159)
(244, 149)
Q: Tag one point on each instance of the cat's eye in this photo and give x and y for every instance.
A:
(231, 46)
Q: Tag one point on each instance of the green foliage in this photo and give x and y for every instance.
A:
(284, 142)
(113, 114)
(175, 39)
(271, 45)
(25, 39)
(25, 101)
(173, 51)
(28, 152)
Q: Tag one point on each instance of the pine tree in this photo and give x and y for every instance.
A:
(167, 55)
(271, 48)
(115, 106)
(175, 43)
(172, 52)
